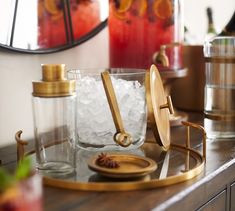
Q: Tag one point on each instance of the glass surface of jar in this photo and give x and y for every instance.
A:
(138, 29)
(54, 100)
(219, 105)
(95, 125)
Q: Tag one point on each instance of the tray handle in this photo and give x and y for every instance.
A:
(20, 145)
(196, 126)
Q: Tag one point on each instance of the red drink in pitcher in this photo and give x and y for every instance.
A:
(138, 28)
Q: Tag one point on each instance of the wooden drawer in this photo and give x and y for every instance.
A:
(232, 197)
(218, 203)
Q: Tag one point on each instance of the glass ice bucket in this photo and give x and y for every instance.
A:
(94, 121)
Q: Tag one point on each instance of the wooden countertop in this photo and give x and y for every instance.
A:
(218, 175)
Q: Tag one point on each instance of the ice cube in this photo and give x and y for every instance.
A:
(94, 120)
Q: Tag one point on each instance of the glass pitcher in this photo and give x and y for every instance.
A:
(143, 32)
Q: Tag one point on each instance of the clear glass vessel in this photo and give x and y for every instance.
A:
(94, 124)
(54, 101)
(219, 106)
(139, 29)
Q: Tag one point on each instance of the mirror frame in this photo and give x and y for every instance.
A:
(68, 28)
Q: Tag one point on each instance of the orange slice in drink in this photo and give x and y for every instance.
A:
(116, 13)
(142, 7)
(120, 16)
(57, 16)
(51, 7)
(124, 6)
(163, 8)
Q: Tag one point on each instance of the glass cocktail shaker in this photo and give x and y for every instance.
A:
(54, 100)
(219, 105)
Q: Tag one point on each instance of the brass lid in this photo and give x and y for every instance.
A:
(54, 82)
(157, 103)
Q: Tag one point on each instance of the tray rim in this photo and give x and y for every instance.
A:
(131, 185)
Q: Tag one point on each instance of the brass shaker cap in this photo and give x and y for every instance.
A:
(53, 83)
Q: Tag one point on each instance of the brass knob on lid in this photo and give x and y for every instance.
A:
(168, 105)
(53, 83)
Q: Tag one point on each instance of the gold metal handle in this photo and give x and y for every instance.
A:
(20, 145)
(122, 138)
(218, 59)
(168, 105)
(193, 125)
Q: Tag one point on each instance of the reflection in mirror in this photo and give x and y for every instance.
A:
(165, 166)
(42, 26)
(26, 23)
(51, 24)
(6, 12)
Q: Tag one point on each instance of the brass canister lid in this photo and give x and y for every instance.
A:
(53, 83)
(157, 102)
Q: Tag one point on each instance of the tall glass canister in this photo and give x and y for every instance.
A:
(143, 32)
(54, 99)
(219, 106)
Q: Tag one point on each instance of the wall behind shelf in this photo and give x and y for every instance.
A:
(196, 18)
(17, 71)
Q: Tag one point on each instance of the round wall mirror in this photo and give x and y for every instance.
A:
(44, 26)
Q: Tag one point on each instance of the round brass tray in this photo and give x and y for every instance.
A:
(165, 175)
(178, 164)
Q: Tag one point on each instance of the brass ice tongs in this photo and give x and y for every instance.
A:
(121, 137)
